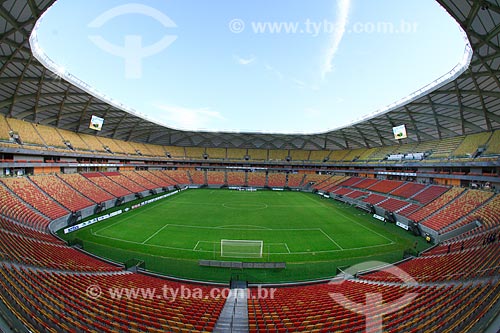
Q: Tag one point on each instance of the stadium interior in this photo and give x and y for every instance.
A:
(441, 181)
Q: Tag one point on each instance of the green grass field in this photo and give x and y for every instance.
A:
(311, 234)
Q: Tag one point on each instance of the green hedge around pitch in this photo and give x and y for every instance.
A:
(313, 235)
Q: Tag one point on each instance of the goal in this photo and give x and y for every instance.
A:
(237, 248)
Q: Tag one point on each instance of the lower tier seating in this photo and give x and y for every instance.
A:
(62, 302)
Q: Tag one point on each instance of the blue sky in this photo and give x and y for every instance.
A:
(217, 66)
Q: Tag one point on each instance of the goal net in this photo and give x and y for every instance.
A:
(232, 248)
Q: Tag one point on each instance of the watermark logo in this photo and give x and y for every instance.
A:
(236, 26)
(132, 51)
(171, 294)
(315, 28)
(94, 291)
(374, 307)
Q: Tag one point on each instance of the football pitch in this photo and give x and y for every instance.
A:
(313, 235)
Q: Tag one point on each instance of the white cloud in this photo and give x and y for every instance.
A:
(188, 118)
(340, 24)
(273, 70)
(298, 82)
(245, 61)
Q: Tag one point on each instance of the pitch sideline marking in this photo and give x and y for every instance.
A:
(134, 213)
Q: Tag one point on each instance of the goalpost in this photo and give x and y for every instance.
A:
(239, 248)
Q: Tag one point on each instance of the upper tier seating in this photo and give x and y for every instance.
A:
(176, 152)
(92, 142)
(4, 129)
(354, 155)
(318, 155)
(113, 145)
(156, 150)
(258, 154)
(50, 136)
(216, 153)
(73, 138)
(278, 154)
(26, 131)
(142, 149)
(471, 143)
(195, 152)
(236, 154)
(299, 155)
(493, 146)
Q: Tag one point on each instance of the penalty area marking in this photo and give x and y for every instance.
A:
(331, 239)
(156, 233)
(288, 249)
(239, 227)
(365, 227)
(201, 242)
(211, 251)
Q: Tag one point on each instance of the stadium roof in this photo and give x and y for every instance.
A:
(469, 102)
